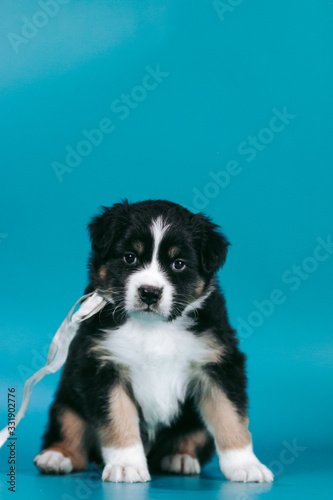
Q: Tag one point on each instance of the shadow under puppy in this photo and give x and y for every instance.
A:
(154, 381)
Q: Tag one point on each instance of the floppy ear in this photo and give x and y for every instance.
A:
(212, 244)
(104, 228)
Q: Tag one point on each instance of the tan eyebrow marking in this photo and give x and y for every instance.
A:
(138, 247)
(173, 251)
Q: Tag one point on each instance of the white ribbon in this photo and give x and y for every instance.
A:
(92, 303)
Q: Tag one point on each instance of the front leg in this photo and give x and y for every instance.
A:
(122, 448)
(232, 438)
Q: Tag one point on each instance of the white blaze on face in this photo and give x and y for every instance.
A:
(151, 275)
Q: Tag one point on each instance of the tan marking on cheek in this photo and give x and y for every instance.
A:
(73, 431)
(229, 428)
(199, 288)
(173, 251)
(217, 353)
(123, 429)
(138, 247)
(216, 350)
(102, 272)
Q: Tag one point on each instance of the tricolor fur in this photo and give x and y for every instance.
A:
(155, 381)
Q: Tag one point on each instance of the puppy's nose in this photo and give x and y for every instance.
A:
(150, 294)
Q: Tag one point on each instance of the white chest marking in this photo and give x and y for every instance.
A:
(161, 358)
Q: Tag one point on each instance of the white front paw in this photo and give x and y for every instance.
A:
(242, 465)
(125, 474)
(127, 465)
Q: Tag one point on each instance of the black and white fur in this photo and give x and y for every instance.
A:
(161, 354)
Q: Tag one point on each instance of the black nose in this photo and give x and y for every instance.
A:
(150, 294)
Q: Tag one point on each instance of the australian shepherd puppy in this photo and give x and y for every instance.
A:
(155, 381)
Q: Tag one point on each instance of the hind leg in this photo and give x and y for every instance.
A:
(182, 453)
(188, 453)
(64, 448)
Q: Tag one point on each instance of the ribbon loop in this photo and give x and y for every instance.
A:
(91, 304)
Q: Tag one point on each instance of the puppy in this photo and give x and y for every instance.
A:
(155, 381)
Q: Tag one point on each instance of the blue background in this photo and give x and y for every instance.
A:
(225, 76)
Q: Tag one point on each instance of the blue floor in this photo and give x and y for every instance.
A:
(310, 475)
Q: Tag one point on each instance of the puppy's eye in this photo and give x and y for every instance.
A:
(178, 265)
(130, 258)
